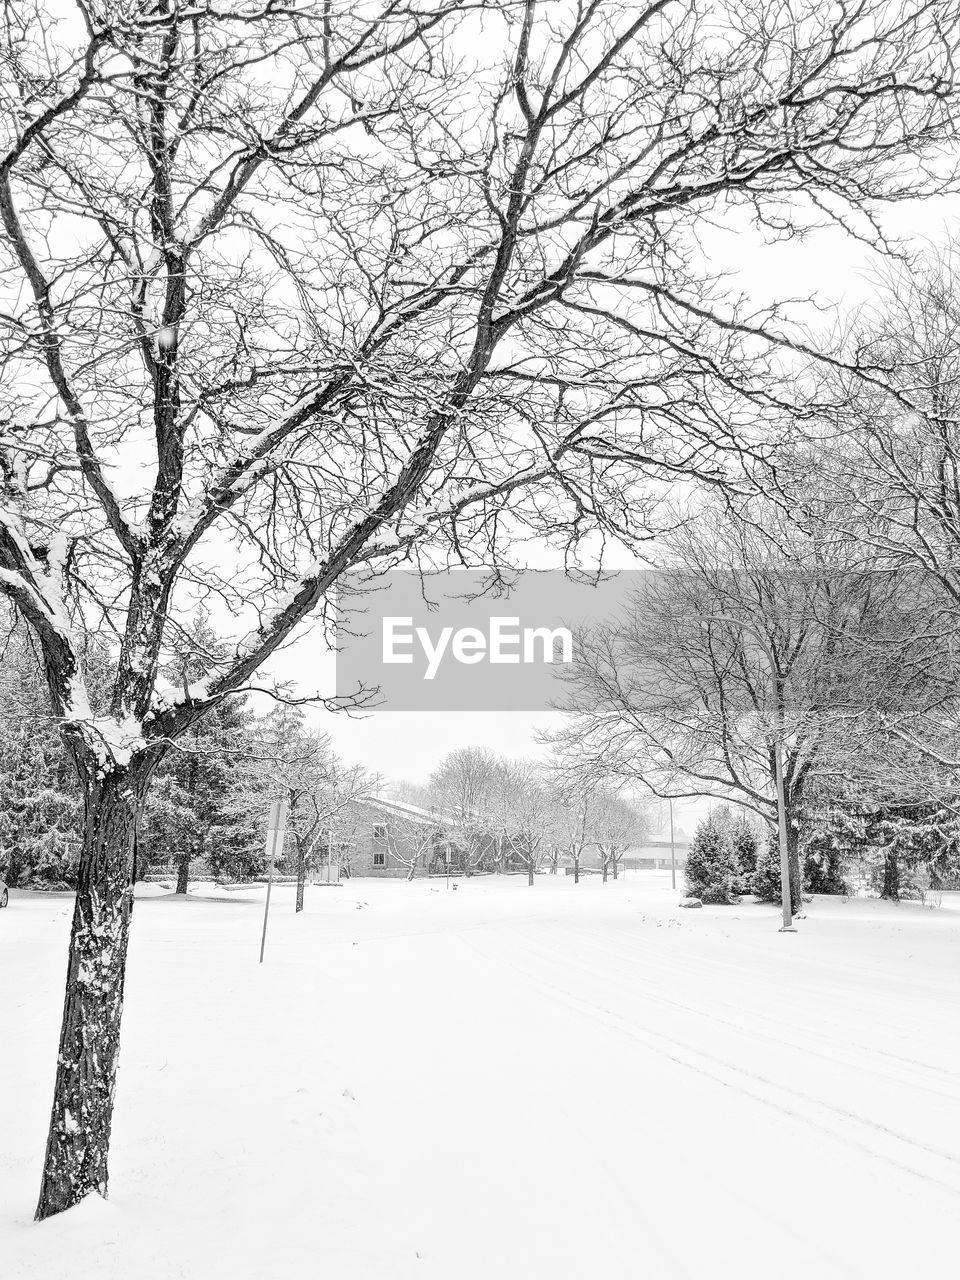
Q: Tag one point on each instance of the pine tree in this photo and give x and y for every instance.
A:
(825, 855)
(766, 878)
(710, 868)
(744, 844)
(41, 812)
(190, 812)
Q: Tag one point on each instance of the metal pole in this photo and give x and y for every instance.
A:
(276, 823)
(266, 908)
(673, 852)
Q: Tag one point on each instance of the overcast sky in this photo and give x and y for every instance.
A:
(842, 275)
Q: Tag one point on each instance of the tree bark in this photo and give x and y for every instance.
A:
(793, 857)
(78, 1140)
(605, 870)
(530, 873)
(183, 873)
(576, 871)
(301, 873)
(615, 863)
(891, 874)
(796, 882)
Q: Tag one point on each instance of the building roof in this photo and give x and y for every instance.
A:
(656, 848)
(412, 812)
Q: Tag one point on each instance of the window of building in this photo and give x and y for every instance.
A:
(379, 859)
(379, 831)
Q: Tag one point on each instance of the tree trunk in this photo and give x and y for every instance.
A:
(78, 1140)
(605, 869)
(615, 863)
(183, 873)
(891, 874)
(15, 864)
(301, 873)
(793, 861)
(576, 871)
(530, 873)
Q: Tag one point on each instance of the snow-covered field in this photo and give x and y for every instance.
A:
(498, 1081)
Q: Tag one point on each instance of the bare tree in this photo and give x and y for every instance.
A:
(765, 637)
(892, 456)
(523, 811)
(276, 307)
(617, 825)
(591, 814)
(463, 788)
(286, 760)
(573, 806)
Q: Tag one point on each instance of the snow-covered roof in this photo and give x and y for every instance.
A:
(412, 812)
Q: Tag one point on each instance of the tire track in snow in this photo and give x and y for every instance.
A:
(686, 1055)
(663, 969)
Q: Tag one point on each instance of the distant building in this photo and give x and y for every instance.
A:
(391, 838)
(653, 854)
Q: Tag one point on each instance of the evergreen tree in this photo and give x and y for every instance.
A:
(744, 845)
(41, 811)
(710, 869)
(766, 878)
(190, 812)
(826, 850)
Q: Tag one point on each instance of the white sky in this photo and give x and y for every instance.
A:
(840, 272)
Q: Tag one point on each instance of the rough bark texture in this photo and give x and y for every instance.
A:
(301, 874)
(796, 881)
(891, 875)
(79, 1137)
(576, 871)
(183, 873)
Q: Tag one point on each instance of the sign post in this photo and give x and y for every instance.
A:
(276, 826)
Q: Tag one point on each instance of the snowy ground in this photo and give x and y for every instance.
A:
(503, 1082)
